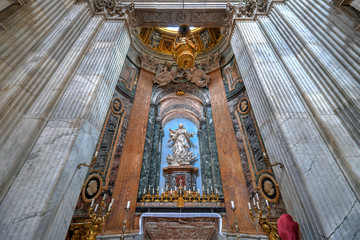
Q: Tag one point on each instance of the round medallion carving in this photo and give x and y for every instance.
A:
(269, 188)
(116, 105)
(244, 106)
(91, 188)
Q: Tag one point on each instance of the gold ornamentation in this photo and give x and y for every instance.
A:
(268, 225)
(265, 157)
(180, 93)
(173, 196)
(87, 165)
(89, 230)
(185, 49)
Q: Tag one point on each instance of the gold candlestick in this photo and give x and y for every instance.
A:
(122, 237)
(97, 222)
(270, 227)
(236, 226)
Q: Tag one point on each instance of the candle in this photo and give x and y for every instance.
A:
(112, 200)
(249, 206)
(211, 188)
(267, 202)
(92, 202)
(96, 153)
(257, 204)
(97, 205)
(185, 187)
(203, 188)
(128, 204)
(198, 190)
(232, 205)
(162, 190)
(109, 208)
(254, 201)
(104, 197)
(166, 188)
(257, 196)
(158, 188)
(153, 191)
(171, 191)
(216, 192)
(144, 190)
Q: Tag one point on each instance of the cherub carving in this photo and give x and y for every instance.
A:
(166, 75)
(198, 77)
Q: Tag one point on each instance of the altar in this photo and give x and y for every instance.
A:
(180, 225)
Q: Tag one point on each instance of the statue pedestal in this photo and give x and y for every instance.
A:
(185, 174)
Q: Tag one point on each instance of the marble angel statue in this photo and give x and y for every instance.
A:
(181, 144)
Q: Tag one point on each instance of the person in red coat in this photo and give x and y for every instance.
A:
(288, 228)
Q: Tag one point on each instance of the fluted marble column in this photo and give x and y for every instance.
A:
(300, 66)
(59, 68)
(5, 3)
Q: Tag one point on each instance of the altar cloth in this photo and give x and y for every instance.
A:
(179, 215)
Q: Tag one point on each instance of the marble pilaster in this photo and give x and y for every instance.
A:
(306, 103)
(78, 64)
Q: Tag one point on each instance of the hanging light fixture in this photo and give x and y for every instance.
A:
(185, 49)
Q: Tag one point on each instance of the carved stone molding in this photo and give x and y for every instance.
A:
(211, 62)
(149, 63)
(192, 17)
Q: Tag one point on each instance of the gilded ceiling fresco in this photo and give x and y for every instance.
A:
(162, 39)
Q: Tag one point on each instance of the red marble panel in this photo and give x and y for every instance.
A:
(128, 176)
(231, 170)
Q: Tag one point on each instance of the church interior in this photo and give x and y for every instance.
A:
(180, 120)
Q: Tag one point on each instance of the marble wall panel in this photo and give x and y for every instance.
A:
(250, 148)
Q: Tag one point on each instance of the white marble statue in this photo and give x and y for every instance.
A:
(181, 144)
